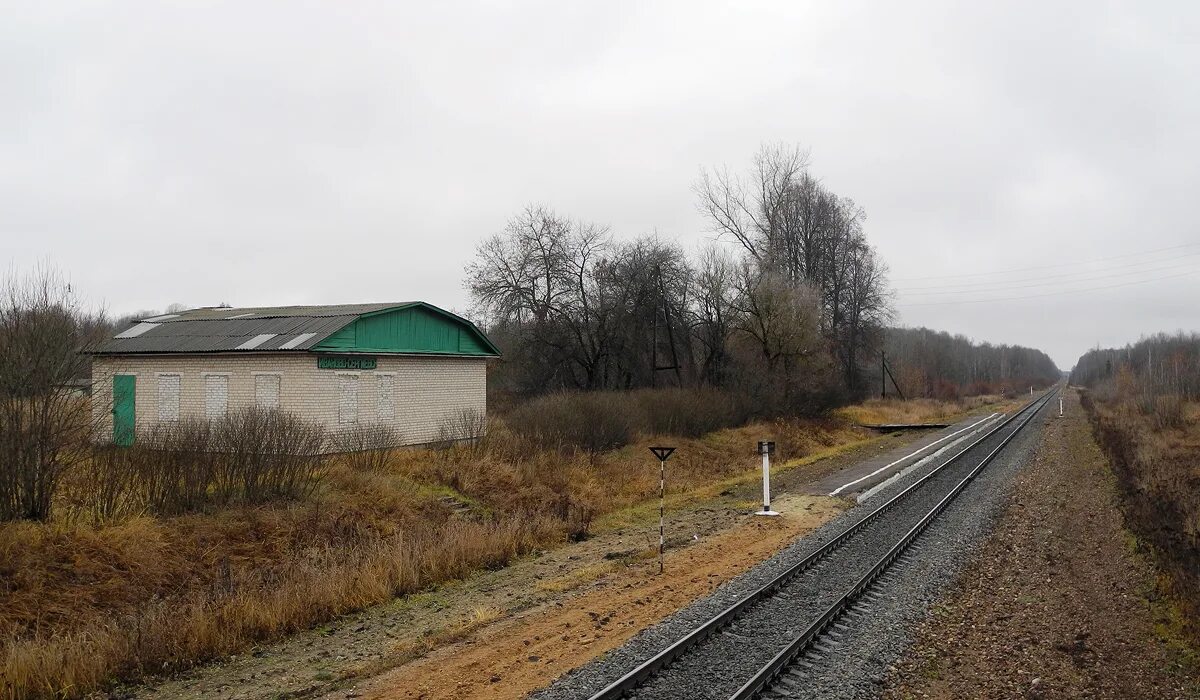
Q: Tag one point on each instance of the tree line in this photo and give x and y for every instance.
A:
(1161, 365)
(936, 364)
(788, 313)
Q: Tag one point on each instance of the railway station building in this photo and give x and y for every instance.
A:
(410, 366)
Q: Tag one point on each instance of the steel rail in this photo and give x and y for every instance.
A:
(763, 678)
(637, 676)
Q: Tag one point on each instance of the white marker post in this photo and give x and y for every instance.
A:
(766, 448)
(1060, 406)
(662, 453)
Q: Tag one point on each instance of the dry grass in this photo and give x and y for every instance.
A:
(83, 603)
(886, 411)
(1154, 446)
(149, 595)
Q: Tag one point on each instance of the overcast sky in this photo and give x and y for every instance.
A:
(275, 153)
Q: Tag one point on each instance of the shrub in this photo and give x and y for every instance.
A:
(689, 412)
(265, 454)
(367, 447)
(603, 420)
(43, 425)
(253, 455)
(593, 421)
(464, 424)
(1165, 412)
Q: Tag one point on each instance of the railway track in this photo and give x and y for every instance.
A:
(795, 619)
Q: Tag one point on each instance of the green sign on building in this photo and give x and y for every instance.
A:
(345, 362)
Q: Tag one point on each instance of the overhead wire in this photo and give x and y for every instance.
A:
(1051, 266)
(1049, 294)
(1049, 282)
(970, 286)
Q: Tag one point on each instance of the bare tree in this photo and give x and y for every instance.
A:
(539, 275)
(45, 423)
(753, 211)
(715, 287)
(790, 225)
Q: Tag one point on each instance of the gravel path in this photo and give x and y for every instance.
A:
(726, 660)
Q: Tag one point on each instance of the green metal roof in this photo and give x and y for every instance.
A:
(414, 328)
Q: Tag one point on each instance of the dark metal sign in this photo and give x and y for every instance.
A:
(766, 447)
(662, 452)
(345, 362)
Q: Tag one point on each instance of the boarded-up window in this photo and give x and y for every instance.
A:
(216, 396)
(168, 397)
(386, 398)
(266, 390)
(347, 398)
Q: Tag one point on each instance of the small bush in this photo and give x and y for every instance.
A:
(464, 424)
(689, 412)
(603, 420)
(1165, 412)
(367, 447)
(265, 454)
(593, 421)
(252, 455)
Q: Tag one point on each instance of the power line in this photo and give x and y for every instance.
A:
(966, 286)
(1050, 283)
(1049, 294)
(1047, 267)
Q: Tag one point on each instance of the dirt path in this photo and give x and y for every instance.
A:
(1058, 603)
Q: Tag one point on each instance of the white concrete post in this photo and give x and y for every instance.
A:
(766, 448)
(1060, 407)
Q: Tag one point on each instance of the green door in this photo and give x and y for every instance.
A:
(124, 391)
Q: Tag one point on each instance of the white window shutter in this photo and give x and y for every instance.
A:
(348, 398)
(168, 397)
(385, 408)
(266, 391)
(216, 396)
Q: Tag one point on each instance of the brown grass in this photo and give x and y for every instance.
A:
(149, 596)
(1154, 447)
(891, 411)
(84, 602)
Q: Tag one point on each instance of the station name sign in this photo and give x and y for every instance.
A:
(345, 362)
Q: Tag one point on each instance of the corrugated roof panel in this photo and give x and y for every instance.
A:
(297, 340)
(219, 335)
(256, 341)
(137, 330)
(229, 313)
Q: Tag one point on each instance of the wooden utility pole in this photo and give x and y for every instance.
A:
(666, 312)
(882, 374)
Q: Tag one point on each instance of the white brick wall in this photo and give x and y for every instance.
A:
(426, 391)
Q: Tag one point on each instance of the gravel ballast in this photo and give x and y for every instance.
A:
(869, 642)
